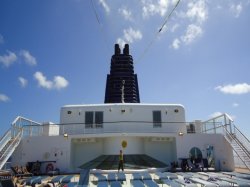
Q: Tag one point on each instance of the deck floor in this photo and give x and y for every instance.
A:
(110, 162)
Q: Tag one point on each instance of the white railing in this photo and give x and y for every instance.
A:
(5, 139)
(10, 149)
(218, 124)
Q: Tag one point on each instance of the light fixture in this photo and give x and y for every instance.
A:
(180, 133)
(65, 135)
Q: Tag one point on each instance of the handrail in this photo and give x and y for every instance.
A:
(25, 119)
(242, 134)
(230, 135)
(219, 116)
(10, 149)
(4, 140)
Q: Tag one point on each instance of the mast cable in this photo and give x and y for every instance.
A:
(158, 32)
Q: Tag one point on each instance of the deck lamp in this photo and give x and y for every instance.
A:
(65, 135)
(180, 133)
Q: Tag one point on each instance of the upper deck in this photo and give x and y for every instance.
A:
(123, 118)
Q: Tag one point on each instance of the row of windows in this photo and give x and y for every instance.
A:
(97, 118)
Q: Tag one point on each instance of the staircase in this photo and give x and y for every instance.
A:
(11, 139)
(240, 145)
(8, 145)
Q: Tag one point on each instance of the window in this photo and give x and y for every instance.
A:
(92, 118)
(157, 118)
(99, 119)
(89, 119)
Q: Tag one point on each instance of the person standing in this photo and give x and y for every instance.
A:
(121, 161)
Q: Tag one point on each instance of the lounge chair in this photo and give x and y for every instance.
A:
(66, 179)
(111, 177)
(102, 184)
(203, 182)
(185, 183)
(150, 183)
(115, 184)
(136, 183)
(121, 177)
(100, 177)
(236, 181)
(170, 175)
(171, 183)
(84, 177)
(136, 176)
(146, 176)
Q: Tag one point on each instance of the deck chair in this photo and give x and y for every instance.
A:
(236, 181)
(66, 179)
(111, 177)
(171, 183)
(100, 177)
(150, 183)
(121, 177)
(203, 182)
(136, 176)
(38, 180)
(146, 176)
(115, 184)
(184, 183)
(161, 175)
(84, 177)
(136, 183)
(171, 175)
(102, 184)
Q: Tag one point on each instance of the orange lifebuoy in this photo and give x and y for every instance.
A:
(49, 167)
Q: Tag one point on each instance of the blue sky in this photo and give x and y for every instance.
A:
(54, 53)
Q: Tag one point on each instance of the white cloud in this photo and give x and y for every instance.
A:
(241, 88)
(105, 5)
(176, 43)
(129, 36)
(121, 42)
(23, 82)
(149, 8)
(8, 59)
(174, 27)
(215, 114)
(235, 104)
(4, 98)
(1, 39)
(236, 9)
(28, 58)
(58, 83)
(192, 32)
(127, 14)
(197, 11)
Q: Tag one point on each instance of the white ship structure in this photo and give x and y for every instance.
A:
(152, 136)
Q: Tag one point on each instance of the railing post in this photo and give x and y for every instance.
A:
(214, 126)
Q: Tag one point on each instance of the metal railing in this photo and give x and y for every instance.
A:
(5, 139)
(13, 143)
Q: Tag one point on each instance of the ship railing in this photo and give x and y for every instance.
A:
(218, 124)
(105, 127)
(5, 139)
(124, 127)
(25, 125)
(10, 148)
